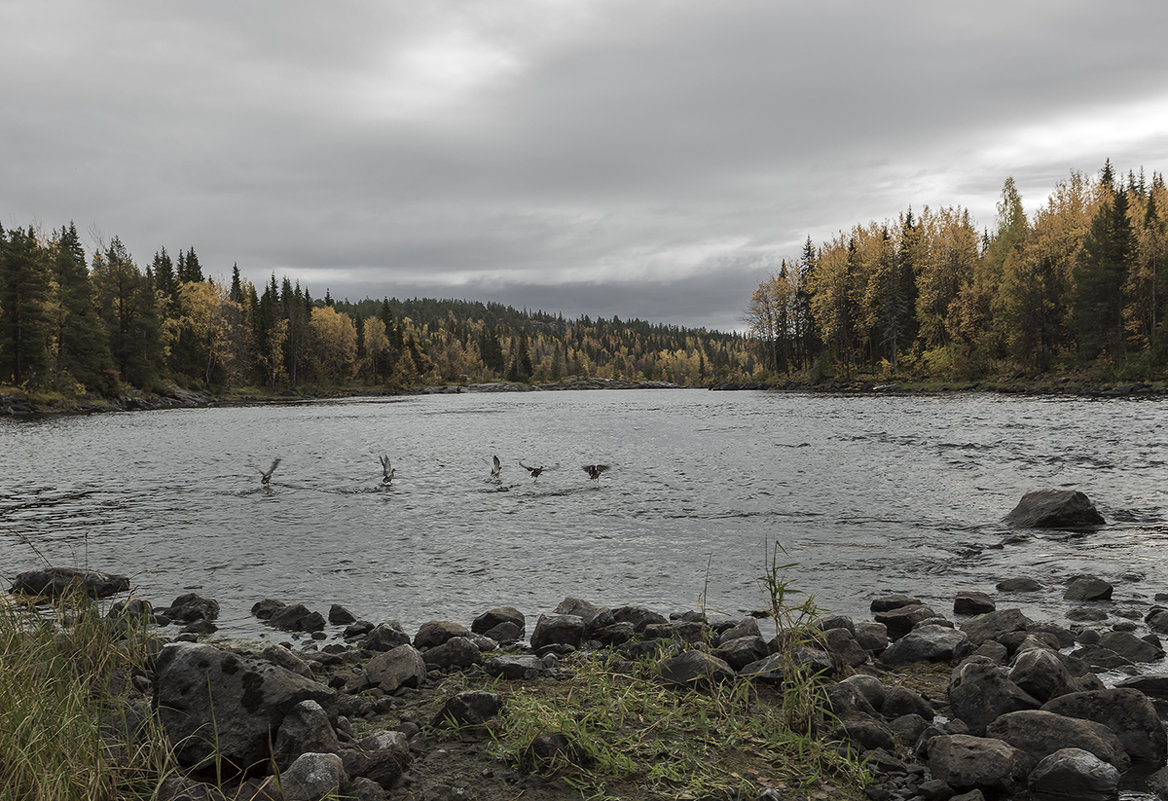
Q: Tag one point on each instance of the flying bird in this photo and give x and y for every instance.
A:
(535, 471)
(497, 468)
(594, 471)
(387, 472)
(265, 478)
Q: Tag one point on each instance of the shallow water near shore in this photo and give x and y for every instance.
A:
(867, 493)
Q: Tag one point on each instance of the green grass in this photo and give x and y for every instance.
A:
(68, 728)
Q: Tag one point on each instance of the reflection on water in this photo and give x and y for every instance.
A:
(868, 493)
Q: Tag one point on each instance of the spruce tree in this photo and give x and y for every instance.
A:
(25, 325)
(82, 348)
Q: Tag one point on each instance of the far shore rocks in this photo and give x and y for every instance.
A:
(1059, 509)
(55, 582)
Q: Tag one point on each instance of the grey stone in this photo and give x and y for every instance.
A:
(54, 582)
(580, 608)
(864, 734)
(1059, 509)
(493, 618)
(473, 707)
(901, 620)
(847, 701)
(312, 777)
(886, 603)
(1018, 585)
(558, 629)
(1131, 647)
(279, 655)
(694, 669)
(297, 617)
(979, 693)
(457, 652)
(1040, 733)
(872, 636)
(402, 666)
(1041, 673)
(515, 667)
(305, 728)
(742, 651)
(992, 625)
(1088, 588)
(972, 603)
(436, 632)
(191, 607)
(1100, 658)
(965, 762)
(1072, 774)
(843, 644)
(340, 616)
(639, 616)
(747, 627)
(870, 687)
(1127, 712)
(924, 644)
(900, 701)
(385, 637)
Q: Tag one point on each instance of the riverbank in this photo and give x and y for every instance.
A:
(626, 702)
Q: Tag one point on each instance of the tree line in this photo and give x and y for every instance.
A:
(1077, 285)
(74, 325)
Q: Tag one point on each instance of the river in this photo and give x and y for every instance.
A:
(867, 494)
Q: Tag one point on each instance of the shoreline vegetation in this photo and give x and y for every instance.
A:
(131, 701)
(1070, 298)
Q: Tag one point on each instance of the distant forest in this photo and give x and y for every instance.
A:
(1079, 286)
(70, 326)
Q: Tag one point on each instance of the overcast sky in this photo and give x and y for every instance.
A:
(647, 158)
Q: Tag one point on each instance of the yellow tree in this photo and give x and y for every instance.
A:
(376, 347)
(333, 344)
(204, 322)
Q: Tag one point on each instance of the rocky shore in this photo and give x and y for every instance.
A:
(974, 701)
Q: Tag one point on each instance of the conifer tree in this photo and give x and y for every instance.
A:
(82, 349)
(25, 325)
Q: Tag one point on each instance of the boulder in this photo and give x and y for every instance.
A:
(556, 629)
(747, 627)
(385, 637)
(578, 607)
(870, 687)
(1157, 619)
(492, 619)
(900, 701)
(694, 669)
(972, 603)
(515, 667)
(742, 651)
(312, 777)
(1152, 684)
(924, 644)
(864, 734)
(979, 693)
(848, 701)
(901, 620)
(1041, 733)
(402, 666)
(279, 655)
(639, 616)
(54, 582)
(457, 652)
(1088, 588)
(872, 637)
(340, 616)
(992, 625)
(1072, 774)
(1021, 584)
(1050, 508)
(1042, 674)
(1131, 647)
(305, 729)
(1100, 658)
(214, 704)
(1127, 712)
(192, 607)
(436, 632)
(886, 603)
(842, 643)
(470, 708)
(977, 763)
(297, 617)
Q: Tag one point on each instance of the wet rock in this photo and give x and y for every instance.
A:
(279, 655)
(924, 644)
(384, 637)
(213, 703)
(614, 634)
(980, 693)
(402, 666)
(836, 622)
(54, 582)
(747, 627)
(512, 621)
(1157, 619)
(742, 651)
(131, 609)
(191, 607)
(1041, 733)
(964, 762)
(558, 629)
(694, 669)
(578, 607)
(843, 644)
(1127, 712)
(901, 620)
(1088, 588)
(872, 636)
(1086, 613)
(473, 707)
(1100, 658)
(993, 625)
(305, 728)
(972, 603)
(1131, 647)
(903, 701)
(1072, 774)
(297, 617)
(1042, 674)
(1151, 684)
(340, 616)
(847, 701)
(1049, 508)
(870, 687)
(312, 777)
(1018, 585)
(887, 603)
(992, 650)
(436, 632)
(515, 667)
(457, 652)
(639, 616)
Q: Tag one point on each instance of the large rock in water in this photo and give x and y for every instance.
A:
(53, 582)
(1048, 508)
(214, 703)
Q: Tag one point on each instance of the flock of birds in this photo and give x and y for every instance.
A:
(594, 471)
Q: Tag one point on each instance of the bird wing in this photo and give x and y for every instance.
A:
(498, 464)
(272, 469)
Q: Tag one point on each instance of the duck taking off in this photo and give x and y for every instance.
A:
(594, 471)
(496, 468)
(387, 471)
(535, 471)
(265, 478)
